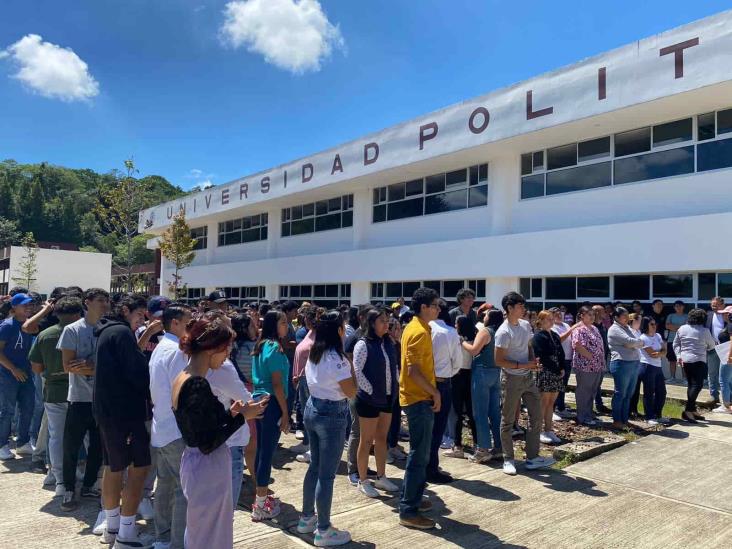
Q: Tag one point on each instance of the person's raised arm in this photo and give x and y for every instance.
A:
(31, 326)
(155, 327)
(481, 340)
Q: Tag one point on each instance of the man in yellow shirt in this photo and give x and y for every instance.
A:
(420, 399)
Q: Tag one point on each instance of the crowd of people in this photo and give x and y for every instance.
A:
(162, 397)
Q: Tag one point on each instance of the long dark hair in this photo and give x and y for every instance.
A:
(494, 319)
(370, 319)
(131, 302)
(327, 336)
(269, 331)
(465, 328)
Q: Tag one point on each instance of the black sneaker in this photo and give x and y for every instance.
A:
(89, 492)
(439, 477)
(38, 467)
(69, 502)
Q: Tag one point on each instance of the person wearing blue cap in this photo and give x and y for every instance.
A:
(16, 382)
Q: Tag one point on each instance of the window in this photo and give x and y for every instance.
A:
(633, 142)
(525, 287)
(655, 165)
(329, 296)
(531, 288)
(714, 155)
(194, 295)
(536, 289)
(593, 149)
(323, 215)
(239, 296)
(201, 236)
(561, 157)
(706, 127)
(593, 287)
(532, 186)
(444, 192)
(631, 287)
(590, 176)
(724, 122)
(478, 286)
(561, 288)
(707, 285)
(389, 292)
(672, 132)
(245, 229)
(673, 286)
(724, 284)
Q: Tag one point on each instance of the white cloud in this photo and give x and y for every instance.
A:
(50, 70)
(201, 180)
(294, 35)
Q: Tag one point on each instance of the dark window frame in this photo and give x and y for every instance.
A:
(232, 231)
(307, 215)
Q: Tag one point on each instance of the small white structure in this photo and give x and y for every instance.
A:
(56, 267)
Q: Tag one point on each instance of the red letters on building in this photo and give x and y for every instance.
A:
(678, 51)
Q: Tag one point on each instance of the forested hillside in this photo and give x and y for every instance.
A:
(57, 204)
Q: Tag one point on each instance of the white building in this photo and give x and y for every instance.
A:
(55, 267)
(607, 179)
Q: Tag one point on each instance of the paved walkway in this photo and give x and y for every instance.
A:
(667, 490)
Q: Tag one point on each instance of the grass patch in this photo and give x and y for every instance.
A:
(672, 408)
(566, 461)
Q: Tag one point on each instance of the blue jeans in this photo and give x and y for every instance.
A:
(625, 375)
(713, 368)
(35, 425)
(237, 470)
(326, 422)
(268, 435)
(439, 425)
(56, 415)
(654, 391)
(303, 394)
(486, 392)
(725, 381)
(420, 418)
(12, 394)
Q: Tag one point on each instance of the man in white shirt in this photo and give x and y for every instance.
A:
(166, 362)
(715, 323)
(448, 358)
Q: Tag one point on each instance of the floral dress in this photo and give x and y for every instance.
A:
(589, 337)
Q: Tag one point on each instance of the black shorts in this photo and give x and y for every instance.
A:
(670, 354)
(364, 409)
(124, 443)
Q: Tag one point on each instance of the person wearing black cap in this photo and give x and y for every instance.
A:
(218, 300)
(16, 381)
(149, 335)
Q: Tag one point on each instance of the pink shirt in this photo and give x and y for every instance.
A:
(590, 339)
(302, 352)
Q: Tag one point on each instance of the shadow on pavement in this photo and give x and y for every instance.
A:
(560, 481)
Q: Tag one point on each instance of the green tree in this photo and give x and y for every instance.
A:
(9, 234)
(118, 210)
(27, 268)
(138, 250)
(176, 245)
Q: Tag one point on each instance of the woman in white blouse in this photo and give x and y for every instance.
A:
(374, 363)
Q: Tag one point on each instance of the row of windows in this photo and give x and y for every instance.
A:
(242, 295)
(389, 292)
(653, 152)
(194, 295)
(628, 287)
(443, 192)
(323, 295)
(245, 229)
(323, 215)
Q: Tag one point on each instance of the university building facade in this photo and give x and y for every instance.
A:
(610, 179)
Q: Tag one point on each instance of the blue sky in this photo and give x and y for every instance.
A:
(207, 90)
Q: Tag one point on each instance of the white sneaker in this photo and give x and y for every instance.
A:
(544, 438)
(509, 467)
(299, 435)
(303, 458)
(25, 450)
(60, 490)
(145, 509)
(140, 541)
(100, 525)
(557, 417)
(50, 479)
(721, 409)
(383, 483)
(300, 448)
(108, 536)
(367, 488)
(652, 422)
(331, 537)
(307, 525)
(5, 453)
(539, 462)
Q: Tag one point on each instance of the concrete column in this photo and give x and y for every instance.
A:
(213, 242)
(503, 192)
(360, 292)
(497, 287)
(274, 230)
(271, 292)
(361, 216)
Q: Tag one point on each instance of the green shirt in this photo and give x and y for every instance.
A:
(44, 352)
(269, 360)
